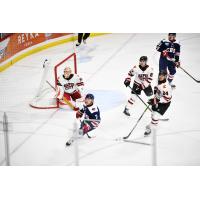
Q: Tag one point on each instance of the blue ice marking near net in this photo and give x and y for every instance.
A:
(107, 99)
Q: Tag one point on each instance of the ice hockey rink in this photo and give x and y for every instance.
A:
(38, 137)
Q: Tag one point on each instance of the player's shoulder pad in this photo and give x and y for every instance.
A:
(177, 42)
(60, 78)
(134, 66)
(76, 77)
(151, 68)
(164, 40)
(93, 108)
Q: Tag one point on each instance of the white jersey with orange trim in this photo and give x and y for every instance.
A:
(143, 76)
(71, 84)
(164, 92)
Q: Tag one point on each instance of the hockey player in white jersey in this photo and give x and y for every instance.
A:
(70, 87)
(143, 76)
(160, 102)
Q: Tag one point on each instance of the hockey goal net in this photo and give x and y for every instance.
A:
(45, 97)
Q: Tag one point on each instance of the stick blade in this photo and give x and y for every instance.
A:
(137, 142)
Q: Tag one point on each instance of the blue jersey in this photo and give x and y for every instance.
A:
(172, 48)
(91, 112)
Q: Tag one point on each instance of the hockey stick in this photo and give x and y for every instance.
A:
(51, 85)
(198, 81)
(126, 137)
(163, 119)
(70, 104)
(64, 99)
(137, 142)
(140, 99)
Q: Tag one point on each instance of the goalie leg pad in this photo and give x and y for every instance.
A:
(67, 96)
(75, 95)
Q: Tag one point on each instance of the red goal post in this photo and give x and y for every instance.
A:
(45, 97)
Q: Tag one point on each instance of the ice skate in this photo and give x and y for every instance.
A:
(147, 131)
(126, 112)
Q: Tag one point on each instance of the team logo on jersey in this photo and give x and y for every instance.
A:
(69, 86)
(166, 43)
(143, 76)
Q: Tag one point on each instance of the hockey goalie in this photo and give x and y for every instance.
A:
(70, 88)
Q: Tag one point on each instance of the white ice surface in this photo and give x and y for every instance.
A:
(37, 137)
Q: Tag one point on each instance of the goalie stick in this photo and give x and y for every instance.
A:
(162, 119)
(64, 99)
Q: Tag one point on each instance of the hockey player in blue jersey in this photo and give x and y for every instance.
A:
(91, 117)
(169, 56)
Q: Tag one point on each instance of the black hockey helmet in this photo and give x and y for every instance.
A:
(89, 96)
(163, 72)
(143, 58)
(173, 34)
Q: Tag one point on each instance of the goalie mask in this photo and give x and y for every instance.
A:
(67, 72)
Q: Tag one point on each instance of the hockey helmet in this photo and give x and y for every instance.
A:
(68, 69)
(143, 58)
(172, 34)
(89, 96)
(163, 73)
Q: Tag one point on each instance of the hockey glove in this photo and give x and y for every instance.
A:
(165, 53)
(142, 86)
(127, 82)
(155, 90)
(177, 64)
(153, 101)
(136, 89)
(79, 114)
